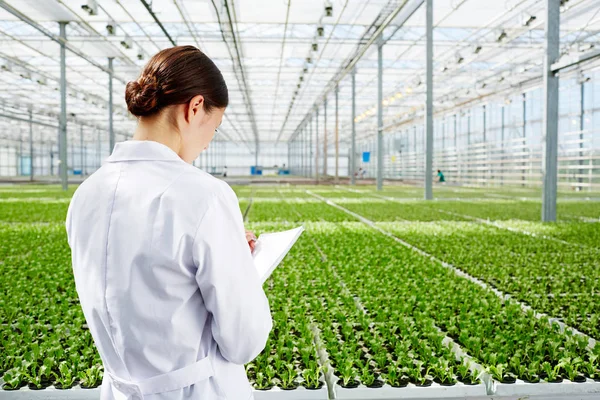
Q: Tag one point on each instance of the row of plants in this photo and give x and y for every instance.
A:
(522, 210)
(360, 350)
(283, 210)
(378, 210)
(364, 350)
(446, 191)
(43, 339)
(273, 192)
(35, 191)
(492, 208)
(33, 211)
(392, 338)
(581, 233)
(552, 277)
(289, 359)
(575, 210)
(394, 282)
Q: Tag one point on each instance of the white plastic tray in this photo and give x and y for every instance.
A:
(565, 390)
(77, 393)
(300, 393)
(435, 391)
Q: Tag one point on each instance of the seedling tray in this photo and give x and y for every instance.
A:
(300, 393)
(411, 391)
(543, 390)
(78, 393)
(51, 393)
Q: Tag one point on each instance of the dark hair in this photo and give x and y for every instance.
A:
(175, 76)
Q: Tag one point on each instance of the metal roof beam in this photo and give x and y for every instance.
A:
(149, 8)
(56, 38)
(575, 60)
(403, 12)
(231, 39)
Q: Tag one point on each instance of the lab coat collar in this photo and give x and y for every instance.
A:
(138, 150)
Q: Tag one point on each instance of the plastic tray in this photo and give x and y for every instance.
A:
(77, 393)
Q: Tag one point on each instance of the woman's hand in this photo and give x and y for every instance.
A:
(251, 239)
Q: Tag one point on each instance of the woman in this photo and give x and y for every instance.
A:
(162, 266)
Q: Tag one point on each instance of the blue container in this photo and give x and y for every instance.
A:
(254, 170)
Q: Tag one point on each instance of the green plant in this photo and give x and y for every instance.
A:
(65, 378)
(12, 379)
(571, 367)
(288, 377)
(366, 376)
(91, 377)
(552, 373)
(311, 377)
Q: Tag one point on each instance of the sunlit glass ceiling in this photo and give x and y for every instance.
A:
(278, 56)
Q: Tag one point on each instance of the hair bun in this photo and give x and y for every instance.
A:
(142, 96)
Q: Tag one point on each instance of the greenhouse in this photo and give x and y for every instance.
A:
(442, 156)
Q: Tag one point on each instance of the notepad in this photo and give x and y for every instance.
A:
(271, 248)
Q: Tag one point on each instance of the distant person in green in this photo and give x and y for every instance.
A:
(441, 176)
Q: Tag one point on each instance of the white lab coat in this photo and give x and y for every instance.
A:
(165, 278)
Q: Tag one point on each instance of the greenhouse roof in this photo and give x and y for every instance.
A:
(277, 63)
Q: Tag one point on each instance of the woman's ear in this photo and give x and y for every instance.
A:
(195, 107)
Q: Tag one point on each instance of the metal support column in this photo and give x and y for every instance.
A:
(524, 127)
(325, 138)
(581, 129)
(317, 145)
(380, 112)
(81, 150)
(468, 153)
(455, 134)
(301, 148)
(62, 121)
(111, 131)
(304, 150)
(30, 145)
(256, 150)
(502, 149)
(20, 155)
(486, 147)
(484, 124)
(550, 159)
(337, 137)
(457, 160)
(429, 102)
(289, 163)
(310, 154)
(353, 145)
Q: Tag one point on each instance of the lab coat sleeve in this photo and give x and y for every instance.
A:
(229, 282)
